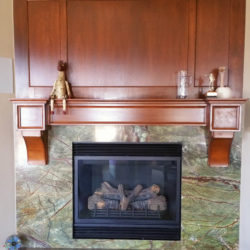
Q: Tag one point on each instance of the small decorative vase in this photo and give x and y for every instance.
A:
(183, 82)
(223, 92)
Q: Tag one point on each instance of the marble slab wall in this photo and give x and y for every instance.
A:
(210, 196)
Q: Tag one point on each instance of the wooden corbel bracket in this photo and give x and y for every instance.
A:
(225, 119)
(31, 122)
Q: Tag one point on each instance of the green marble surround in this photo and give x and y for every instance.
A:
(210, 196)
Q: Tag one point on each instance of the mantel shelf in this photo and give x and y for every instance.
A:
(221, 116)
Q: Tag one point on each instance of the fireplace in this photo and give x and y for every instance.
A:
(127, 191)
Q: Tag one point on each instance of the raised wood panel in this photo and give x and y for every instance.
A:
(207, 34)
(21, 49)
(127, 42)
(116, 115)
(212, 38)
(30, 117)
(236, 53)
(225, 118)
(30, 114)
(131, 112)
(44, 41)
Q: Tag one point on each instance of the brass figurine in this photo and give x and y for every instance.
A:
(211, 92)
(61, 88)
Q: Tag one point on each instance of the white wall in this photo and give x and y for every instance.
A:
(245, 170)
(7, 172)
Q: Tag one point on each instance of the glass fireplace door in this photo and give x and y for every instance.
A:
(132, 191)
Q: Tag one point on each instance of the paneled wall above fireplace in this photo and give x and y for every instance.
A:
(127, 49)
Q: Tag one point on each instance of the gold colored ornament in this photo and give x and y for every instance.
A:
(211, 92)
(60, 89)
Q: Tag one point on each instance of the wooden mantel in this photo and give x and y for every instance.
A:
(221, 116)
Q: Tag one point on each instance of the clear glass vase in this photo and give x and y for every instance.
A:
(183, 82)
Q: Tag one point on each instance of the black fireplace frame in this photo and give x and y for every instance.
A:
(122, 228)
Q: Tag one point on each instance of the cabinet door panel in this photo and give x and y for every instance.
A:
(44, 41)
(212, 37)
(127, 42)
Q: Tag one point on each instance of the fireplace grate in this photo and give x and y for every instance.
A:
(132, 213)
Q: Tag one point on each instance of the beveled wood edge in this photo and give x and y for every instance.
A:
(43, 125)
(238, 118)
(28, 100)
(17, 103)
(139, 101)
(227, 101)
(200, 124)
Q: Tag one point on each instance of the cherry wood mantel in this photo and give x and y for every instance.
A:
(221, 116)
(130, 51)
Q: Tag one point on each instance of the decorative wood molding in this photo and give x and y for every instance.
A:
(225, 118)
(222, 117)
(31, 121)
(145, 112)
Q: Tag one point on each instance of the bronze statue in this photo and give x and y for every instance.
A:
(61, 88)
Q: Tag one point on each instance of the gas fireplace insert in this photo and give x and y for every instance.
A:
(127, 191)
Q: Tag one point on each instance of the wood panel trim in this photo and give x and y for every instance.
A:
(236, 46)
(19, 117)
(192, 41)
(237, 118)
(129, 115)
(187, 45)
(197, 82)
(21, 49)
(29, 103)
(63, 31)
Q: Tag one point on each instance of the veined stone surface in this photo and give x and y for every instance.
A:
(210, 196)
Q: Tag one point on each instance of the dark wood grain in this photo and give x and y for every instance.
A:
(212, 38)
(236, 43)
(21, 49)
(44, 41)
(145, 46)
(127, 43)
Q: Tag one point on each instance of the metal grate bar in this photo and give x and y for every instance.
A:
(117, 213)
